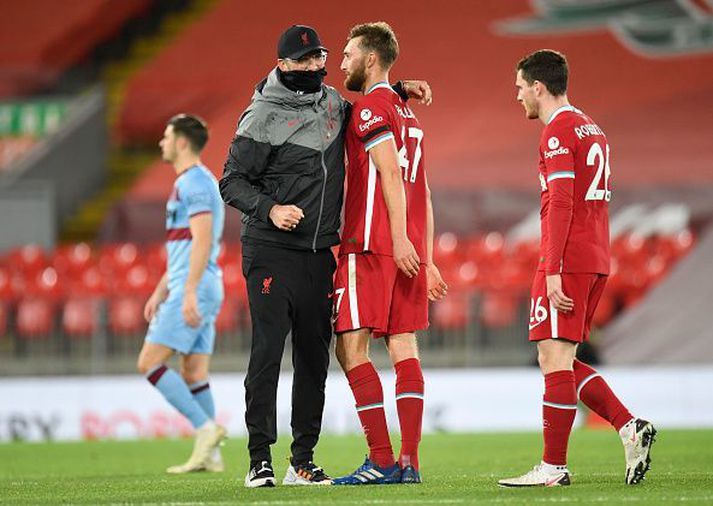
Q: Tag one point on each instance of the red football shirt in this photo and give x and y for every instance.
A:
(576, 189)
(379, 116)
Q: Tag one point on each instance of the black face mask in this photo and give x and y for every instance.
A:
(305, 81)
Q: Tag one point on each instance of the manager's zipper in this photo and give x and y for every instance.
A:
(324, 172)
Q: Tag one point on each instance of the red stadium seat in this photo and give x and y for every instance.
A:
(28, 260)
(233, 251)
(138, 280)
(656, 269)
(453, 312)
(223, 254)
(633, 284)
(35, 318)
(117, 259)
(605, 310)
(675, 246)
(515, 277)
(45, 284)
(445, 249)
(80, 317)
(228, 319)
(234, 282)
(126, 316)
(3, 318)
(498, 309)
(630, 250)
(464, 276)
(526, 255)
(7, 291)
(91, 282)
(156, 257)
(73, 259)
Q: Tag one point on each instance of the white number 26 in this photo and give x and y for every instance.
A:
(596, 157)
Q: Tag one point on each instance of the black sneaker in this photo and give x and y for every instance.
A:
(260, 475)
(306, 473)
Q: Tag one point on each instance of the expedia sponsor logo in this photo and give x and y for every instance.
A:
(365, 114)
(553, 143)
(555, 152)
(374, 120)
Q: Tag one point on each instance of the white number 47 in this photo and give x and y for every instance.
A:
(414, 133)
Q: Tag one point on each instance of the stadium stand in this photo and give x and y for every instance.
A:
(672, 324)
(79, 292)
(478, 144)
(481, 156)
(33, 63)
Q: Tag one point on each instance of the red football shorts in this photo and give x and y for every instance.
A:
(548, 323)
(371, 292)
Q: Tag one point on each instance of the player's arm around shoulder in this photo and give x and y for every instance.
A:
(417, 90)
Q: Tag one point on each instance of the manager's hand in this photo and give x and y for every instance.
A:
(286, 217)
(419, 90)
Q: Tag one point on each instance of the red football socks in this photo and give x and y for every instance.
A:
(559, 407)
(409, 404)
(369, 396)
(597, 396)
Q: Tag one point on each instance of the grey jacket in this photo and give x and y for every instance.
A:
(288, 149)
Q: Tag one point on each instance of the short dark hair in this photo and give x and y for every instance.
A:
(377, 37)
(547, 66)
(192, 128)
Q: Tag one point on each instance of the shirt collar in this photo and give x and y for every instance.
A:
(564, 108)
(381, 84)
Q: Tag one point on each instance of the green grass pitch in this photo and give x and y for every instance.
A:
(458, 469)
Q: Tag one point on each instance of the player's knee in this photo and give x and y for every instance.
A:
(350, 353)
(402, 347)
(193, 376)
(340, 354)
(542, 359)
(551, 361)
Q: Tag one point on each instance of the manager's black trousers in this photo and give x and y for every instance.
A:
(287, 290)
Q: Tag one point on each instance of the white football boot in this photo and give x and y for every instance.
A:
(638, 436)
(208, 438)
(542, 475)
